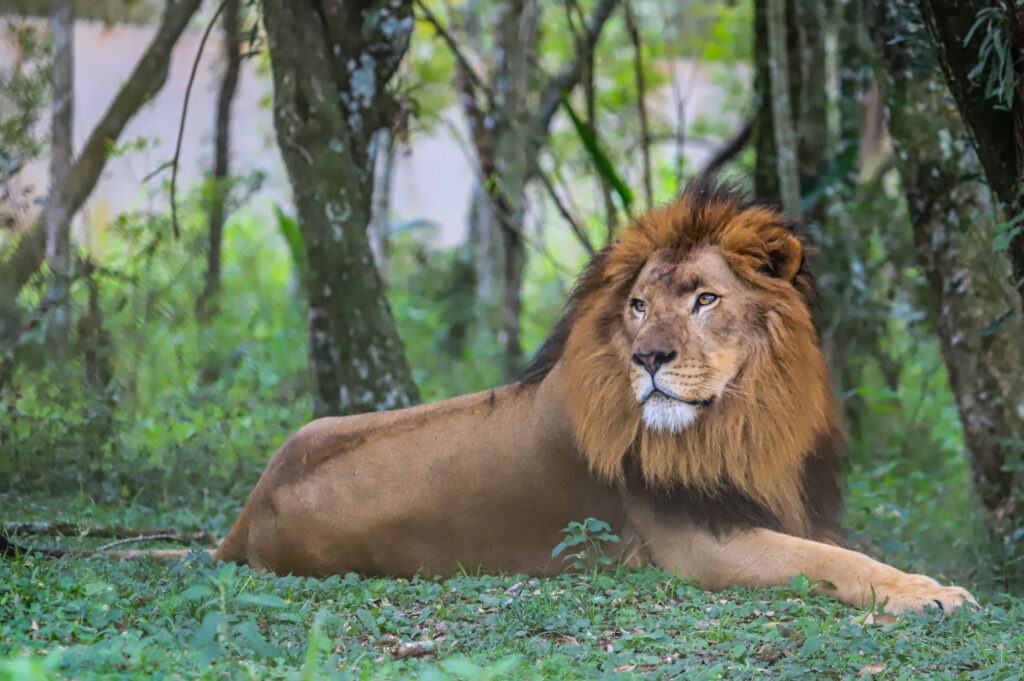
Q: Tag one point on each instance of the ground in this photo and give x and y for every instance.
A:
(93, 618)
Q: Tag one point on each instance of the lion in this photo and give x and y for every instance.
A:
(682, 398)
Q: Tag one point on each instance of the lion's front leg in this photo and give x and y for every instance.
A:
(759, 557)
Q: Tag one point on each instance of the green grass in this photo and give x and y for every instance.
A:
(100, 618)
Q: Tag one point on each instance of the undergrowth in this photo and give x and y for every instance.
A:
(93, 618)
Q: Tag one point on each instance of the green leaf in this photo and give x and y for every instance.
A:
(602, 163)
(812, 645)
(364, 616)
(289, 228)
(573, 540)
(250, 635)
(196, 592)
(460, 666)
(262, 600)
(992, 328)
(205, 641)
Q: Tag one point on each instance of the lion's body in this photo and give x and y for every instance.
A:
(387, 493)
(683, 399)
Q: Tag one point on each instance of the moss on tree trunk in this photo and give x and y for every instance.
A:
(331, 65)
(953, 227)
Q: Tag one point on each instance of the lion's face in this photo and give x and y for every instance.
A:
(685, 323)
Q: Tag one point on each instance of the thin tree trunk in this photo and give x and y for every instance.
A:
(809, 86)
(514, 161)
(854, 79)
(221, 186)
(509, 124)
(786, 145)
(58, 211)
(766, 177)
(983, 347)
(506, 157)
(633, 29)
(23, 259)
(380, 222)
(332, 62)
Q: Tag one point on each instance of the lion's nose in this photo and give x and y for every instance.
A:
(654, 360)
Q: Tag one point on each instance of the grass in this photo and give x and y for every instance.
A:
(99, 618)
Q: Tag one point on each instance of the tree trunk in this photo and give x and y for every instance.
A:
(997, 131)
(507, 159)
(220, 189)
(766, 176)
(786, 145)
(509, 124)
(383, 177)
(809, 91)
(791, 102)
(23, 259)
(332, 62)
(58, 211)
(982, 341)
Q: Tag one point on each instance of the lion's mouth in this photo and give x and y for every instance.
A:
(666, 393)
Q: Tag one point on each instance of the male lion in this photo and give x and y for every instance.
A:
(682, 398)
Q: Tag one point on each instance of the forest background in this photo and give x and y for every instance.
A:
(153, 357)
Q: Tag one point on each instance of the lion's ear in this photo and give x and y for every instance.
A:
(785, 253)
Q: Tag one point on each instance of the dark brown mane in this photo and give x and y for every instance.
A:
(550, 351)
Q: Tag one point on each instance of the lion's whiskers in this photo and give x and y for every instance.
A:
(738, 393)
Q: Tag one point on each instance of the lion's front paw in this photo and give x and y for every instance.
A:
(915, 593)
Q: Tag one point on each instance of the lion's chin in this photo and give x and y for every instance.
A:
(664, 414)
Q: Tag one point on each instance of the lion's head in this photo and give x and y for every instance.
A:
(690, 359)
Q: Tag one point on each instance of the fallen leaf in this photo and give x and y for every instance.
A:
(876, 618)
(872, 669)
(413, 649)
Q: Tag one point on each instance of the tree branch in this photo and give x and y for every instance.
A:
(145, 81)
(568, 77)
(732, 147)
(633, 29)
(24, 258)
(118, 532)
(184, 114)
(574, 225)
(466, 68)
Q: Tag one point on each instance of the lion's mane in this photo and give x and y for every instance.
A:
(766, 454)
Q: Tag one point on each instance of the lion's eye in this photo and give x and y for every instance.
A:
(638, 306)
(706, 299)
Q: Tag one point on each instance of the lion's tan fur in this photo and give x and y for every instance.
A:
(487, 481)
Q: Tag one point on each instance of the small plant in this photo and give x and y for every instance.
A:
(593, 537)
(995, 57)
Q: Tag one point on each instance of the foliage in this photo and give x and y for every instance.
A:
(188, 403)
(994, 70)
(91, 618)
(432, 297)
(23, 96)
(1007, 231)
(592, 539)
(602, 164)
